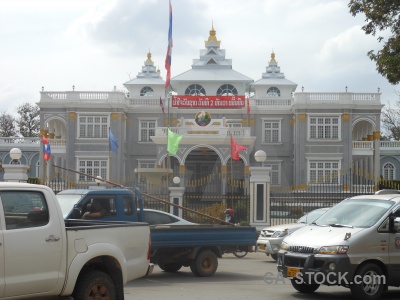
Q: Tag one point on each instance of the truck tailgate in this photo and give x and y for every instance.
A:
(201, 235)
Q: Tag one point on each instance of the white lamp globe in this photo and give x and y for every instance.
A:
(260, 156)
(176, 180)
(15, 153)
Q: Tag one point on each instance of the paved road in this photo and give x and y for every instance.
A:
(235, 278)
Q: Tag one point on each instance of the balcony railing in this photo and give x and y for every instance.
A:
(195, 131)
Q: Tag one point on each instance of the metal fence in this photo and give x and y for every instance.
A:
(287, 204)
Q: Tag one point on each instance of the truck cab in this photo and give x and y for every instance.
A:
(120, 204)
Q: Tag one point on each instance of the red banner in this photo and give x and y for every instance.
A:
(235, 101)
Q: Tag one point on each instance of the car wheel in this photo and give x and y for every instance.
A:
(369, 284)
(274, 256)
(170, 267)
(94, 285)
(205, 264)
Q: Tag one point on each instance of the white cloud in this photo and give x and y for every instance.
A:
(96, 44)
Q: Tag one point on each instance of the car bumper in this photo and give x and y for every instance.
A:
(150, 269)
(315, 268)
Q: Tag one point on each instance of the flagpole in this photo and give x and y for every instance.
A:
(109, 152)
(231, 182)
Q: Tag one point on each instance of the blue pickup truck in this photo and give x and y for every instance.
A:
(197, 246)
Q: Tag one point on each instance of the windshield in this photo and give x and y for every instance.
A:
(311, 216)
(355, 213)
(67, 203)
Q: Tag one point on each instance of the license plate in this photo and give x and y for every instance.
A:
(292, 272)
(261, 247)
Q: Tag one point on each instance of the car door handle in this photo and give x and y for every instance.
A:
(52, 238)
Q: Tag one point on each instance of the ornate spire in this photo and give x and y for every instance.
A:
(273, 61)
(148, 58)
(212, 36)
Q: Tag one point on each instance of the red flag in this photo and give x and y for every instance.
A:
(169, 50)
(46, 148)
(235, 148)
(248, 105)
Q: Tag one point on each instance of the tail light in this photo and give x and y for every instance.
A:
(149, 249)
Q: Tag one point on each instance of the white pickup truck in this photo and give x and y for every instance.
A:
(41, 255)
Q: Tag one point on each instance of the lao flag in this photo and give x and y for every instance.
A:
(46, 148)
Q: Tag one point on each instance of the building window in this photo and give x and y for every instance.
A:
(93, 168)
(275, 176)
(195, 90)
(146, 91)
(324, 128)
(323, 172)
(388, 171)
(227, 90)
(145, 164)
(93, 127)
(147, 129)
(273, 92)
(271, 131)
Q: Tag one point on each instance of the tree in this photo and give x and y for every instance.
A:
(29, 120)
(7, 125)
(390, 119)
(380, 16)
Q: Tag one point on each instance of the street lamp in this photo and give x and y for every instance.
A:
(15, 155)
(98, 180)
(260, 156)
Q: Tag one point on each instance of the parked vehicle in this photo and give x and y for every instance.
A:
(173, 246)
(270, 238)
(42, 255)
(355, 244)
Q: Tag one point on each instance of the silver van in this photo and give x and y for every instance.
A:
(356, 244)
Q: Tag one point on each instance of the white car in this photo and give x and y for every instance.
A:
(156, 217)
(270, 238)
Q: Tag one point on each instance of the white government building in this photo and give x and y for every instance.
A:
(309, 138)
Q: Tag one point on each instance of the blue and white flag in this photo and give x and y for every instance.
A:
(113, 143)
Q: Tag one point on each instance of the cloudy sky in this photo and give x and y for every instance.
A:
(98, 44)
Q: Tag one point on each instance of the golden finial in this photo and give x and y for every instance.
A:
(149, 57)
(212, 36)
(273, 61)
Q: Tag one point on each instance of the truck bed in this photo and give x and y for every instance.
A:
(201, 235)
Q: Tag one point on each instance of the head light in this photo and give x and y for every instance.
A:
(284, 246)
(280, 233)
(337, 249)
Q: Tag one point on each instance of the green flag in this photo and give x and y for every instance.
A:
(173, 141)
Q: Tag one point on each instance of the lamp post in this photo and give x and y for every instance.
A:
(259, 192)
(15, 171)
(176, 197)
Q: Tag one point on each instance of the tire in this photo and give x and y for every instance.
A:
(240, 253)
(170, 267)
(94, 285)
(304, 288)
(274, 256)
(205, 264)
(368, 288)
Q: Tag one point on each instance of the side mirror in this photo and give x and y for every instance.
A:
(394, 223)
(76, 213)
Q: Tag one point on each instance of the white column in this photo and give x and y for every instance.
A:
(260, 197)
(15, 173)
(176, 197)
